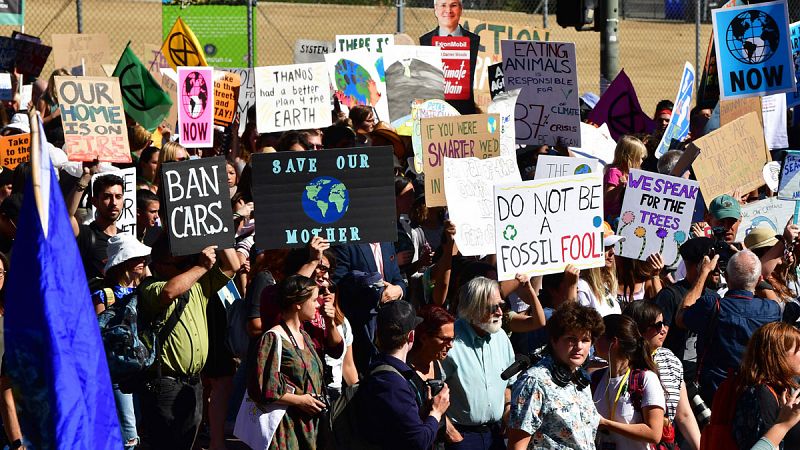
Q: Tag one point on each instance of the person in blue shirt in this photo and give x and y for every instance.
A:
(387, 404)
(724, 326)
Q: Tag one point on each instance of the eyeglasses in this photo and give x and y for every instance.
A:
(658, 325)
(491, 309)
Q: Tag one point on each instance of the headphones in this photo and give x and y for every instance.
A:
(562, 375)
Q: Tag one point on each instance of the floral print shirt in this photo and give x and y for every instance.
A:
(556, 417)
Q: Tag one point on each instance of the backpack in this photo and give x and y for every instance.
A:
(343, 421)
(719, 432)
(132, 347)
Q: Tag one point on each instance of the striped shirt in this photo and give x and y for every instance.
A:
(670, 371)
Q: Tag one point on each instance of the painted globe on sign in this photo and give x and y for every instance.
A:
(325, 199)
(195, 99)
(752, 37)
(582, 169)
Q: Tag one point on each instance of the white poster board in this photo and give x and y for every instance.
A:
(504, 104)
(373, 43)
(789, 184)
(357, 79)
(550, 166)
(770, 212)
(293, 97)
(310, 51)
(126, 222)
(596, 142)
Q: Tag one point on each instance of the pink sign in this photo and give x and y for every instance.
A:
(196, 106)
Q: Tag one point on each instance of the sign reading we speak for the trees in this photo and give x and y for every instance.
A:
(656, 215)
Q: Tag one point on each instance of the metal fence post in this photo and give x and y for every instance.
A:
(609, 45)
(250, 55)
(545, 13)
(400, 19)
(79, 7)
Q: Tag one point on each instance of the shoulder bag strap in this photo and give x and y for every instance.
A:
(712, 328)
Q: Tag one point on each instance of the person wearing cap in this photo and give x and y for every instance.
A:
(597, 287)
(776, 262)
(679, 340)
(481, 351)
(125, 268)
(724, 217)
(723, 326)
(387, 404)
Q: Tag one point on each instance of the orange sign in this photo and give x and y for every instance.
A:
(14, 150)
(226, 96)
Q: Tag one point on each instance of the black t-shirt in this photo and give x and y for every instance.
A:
(93, 243)
(252, 299)
(669, 300)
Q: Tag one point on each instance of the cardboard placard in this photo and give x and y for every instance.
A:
(412, 71)
(170, 86)
(548, 110)
(310, 51)
(15, 149)
(754, 55)
(357, 78)
(596, 143)
(474, 135)
(730, 110)
(126, 222)
(292, 97)
(789, 181)
(345, 196)
(87, 50)
(457, 69)
(619, 108)
(93, 119)
(226, 97)
(373, 43)
(469, 190)
(504, 104)
(424, 109)
(770, 212)
(196, 106)
(541, 226)
(678, 127)
(656, 215)
(247, 94)
(198, 205)
(550, 166)
(730, 158)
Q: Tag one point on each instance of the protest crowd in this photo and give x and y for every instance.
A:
(428, 271)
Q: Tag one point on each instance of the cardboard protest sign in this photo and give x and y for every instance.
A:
(6, 88)
(730, 158)
(596, 142)
(126, 221)
(793, 98)
(474, 135)
(345, 196)
(181, 47)
(425, 109)
(773, 114)
(8, 53)
(678, 127)
(470, 199)
(541, 226)
(550, 166)
(292, 97)
(309, 51)
(170, 86)
(619, 108)
(412, 72)
(497, 80)
(31, 56)
(226, 97)
(26, 95)
(730, 110)
(770, 212)
(15, 149)
(503, 105)
(491, 33)
(789, 182)
(373, 43)
(457, 69)
(12, 12)
(358, 79)
(93, 119)
(144, 99)
(87, 50)
(754, 55)
(198, 205)
(548, 111)
(247, 94)
(196, 106)
(658, 207)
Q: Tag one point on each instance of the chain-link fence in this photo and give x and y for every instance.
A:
(655, 36)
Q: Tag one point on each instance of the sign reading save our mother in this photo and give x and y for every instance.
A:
(656, 215)
(754, 55)
(345, 196)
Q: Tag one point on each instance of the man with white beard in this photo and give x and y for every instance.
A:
(479, 399)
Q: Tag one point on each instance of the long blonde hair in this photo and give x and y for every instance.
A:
(51, 83)
(629, 153)
(602, 281)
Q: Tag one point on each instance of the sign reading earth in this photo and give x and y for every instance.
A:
(196, 97)
(325, 199)
(752, 37)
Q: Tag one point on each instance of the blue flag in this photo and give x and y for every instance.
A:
(54, 354)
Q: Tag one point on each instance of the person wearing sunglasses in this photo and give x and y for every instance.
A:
(650, 320)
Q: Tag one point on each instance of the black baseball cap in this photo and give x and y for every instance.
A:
(399, 316)
(693, 250)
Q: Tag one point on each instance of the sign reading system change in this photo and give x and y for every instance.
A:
(345, 196)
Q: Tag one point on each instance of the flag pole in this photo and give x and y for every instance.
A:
(36, 161)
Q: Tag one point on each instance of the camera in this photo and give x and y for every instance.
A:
(702, 413)
(721, 248)
(324, 399)
(436, 386)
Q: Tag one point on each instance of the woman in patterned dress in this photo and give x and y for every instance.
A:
(292, 377)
